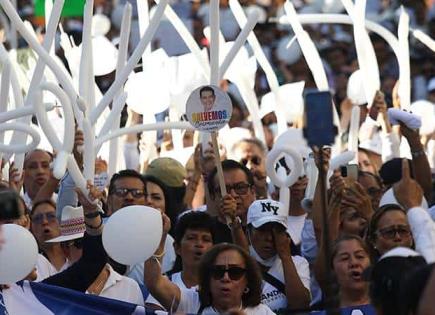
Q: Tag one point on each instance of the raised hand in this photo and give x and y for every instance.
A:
(228, 207)
(15, 178)
(357, 198)
(407, 191)
(282, 242)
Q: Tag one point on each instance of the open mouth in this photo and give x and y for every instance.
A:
(356, 275)
(197, 255)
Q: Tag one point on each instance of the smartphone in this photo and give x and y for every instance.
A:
(349, 172)
(319, 129)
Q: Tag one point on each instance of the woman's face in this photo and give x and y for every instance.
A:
(193, 245)
(364, 163)
(392, 231)
(155, 197)
(262, 240)
(227, 291)
(349, 262)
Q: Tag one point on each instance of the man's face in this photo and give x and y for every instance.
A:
(237, 185)
(128, 191)
(252, 157)
(207, 100)
(44, 224)
(37, 171)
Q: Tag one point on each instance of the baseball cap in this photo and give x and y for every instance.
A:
(265, 211)
(169, 171)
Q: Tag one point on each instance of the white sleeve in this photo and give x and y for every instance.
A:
(189, 302)
(423, 231)
(303, 270)
(390, 146)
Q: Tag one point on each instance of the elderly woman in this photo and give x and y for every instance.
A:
(229, 279)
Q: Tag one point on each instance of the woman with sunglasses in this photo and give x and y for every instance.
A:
(229, 279)
(405, 223)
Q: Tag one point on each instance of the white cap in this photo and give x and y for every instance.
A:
(389, 198)
(400, 252)
(265, 211)
(72, 225)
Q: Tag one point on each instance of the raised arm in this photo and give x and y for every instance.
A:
(160, 287)
(81, 274)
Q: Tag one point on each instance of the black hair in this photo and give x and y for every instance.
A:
(228, 165)
(9, 200)
(391, 171)
(174, 199)
(41, 202)
(386, 280)
(205, 89)
(123, 174)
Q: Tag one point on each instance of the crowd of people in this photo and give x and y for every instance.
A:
(246, 252)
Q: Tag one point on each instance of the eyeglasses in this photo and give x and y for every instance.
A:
(78, 243)
(374, 191)
(38, 218)
(256, 160)
(390, 232)
(239, 188)
(122, 192)
(234, 273)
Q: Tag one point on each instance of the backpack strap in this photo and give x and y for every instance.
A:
(274, 282)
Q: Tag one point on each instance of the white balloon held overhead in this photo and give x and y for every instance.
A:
(132, 234)
(18, 255)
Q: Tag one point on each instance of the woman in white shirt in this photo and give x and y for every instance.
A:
(229, 279)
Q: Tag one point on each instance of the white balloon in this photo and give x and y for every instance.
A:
(104, 55)
(18, 255)
(100, 24)
(147, 92)
(132, 234)
(355, 88)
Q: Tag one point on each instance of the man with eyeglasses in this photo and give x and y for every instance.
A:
(127, 188)
(252, 154)
(239, 183)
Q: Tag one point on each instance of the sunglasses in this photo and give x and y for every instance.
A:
(39, 218)
(390, 232)
(234, 273)
(122, 192)
(256, 160)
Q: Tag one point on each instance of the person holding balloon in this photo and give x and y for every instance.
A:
(229, 280)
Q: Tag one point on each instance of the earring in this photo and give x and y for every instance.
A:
(246, 291)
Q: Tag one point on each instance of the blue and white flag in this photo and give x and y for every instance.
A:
(28, 298)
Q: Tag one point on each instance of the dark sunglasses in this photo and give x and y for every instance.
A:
(254, 160)
(122, 192)
(390, 232)
(38, 218)
(234, 273)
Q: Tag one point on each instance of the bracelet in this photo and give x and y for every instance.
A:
(418, 153)
(158, 256)
(92, 215)
(94, 227)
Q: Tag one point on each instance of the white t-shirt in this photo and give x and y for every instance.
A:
(121, 288)
(189, 303)
(295, 225)
(45, 269)
(276, 299)
(176, 279)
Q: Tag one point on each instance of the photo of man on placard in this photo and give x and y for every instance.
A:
(207, 97)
